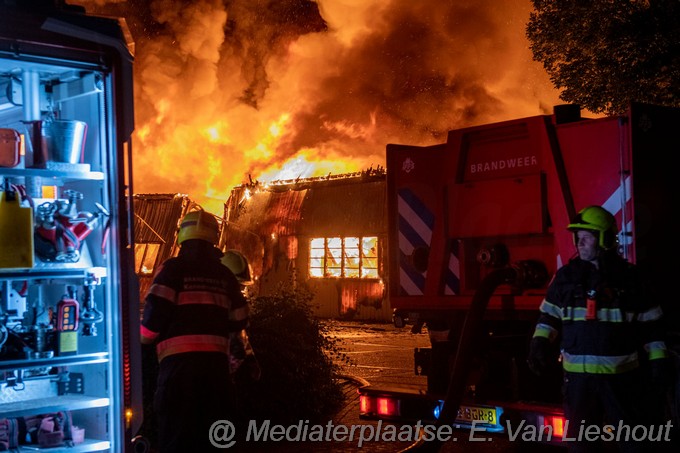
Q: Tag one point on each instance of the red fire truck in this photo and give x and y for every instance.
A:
(477, 228)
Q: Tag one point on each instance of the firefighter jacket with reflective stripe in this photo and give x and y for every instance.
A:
(604, 317)
(193, 304)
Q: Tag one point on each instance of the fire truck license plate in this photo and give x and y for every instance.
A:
(469, 414)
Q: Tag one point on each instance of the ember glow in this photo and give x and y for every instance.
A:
(280, 89)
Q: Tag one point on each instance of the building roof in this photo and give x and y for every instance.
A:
(353, 205)
(156, 216)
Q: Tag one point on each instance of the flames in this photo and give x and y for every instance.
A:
(281, 89)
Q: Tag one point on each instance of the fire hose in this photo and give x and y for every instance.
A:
(524, 274)
(461, 368)
(471, 326)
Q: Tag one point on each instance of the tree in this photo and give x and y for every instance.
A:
(603, 54)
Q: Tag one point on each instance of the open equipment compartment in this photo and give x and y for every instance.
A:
(69, 315)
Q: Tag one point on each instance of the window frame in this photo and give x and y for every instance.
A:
(331, 249)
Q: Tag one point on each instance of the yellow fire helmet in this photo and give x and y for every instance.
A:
(239, 266)
(199, 225)
(599, 221)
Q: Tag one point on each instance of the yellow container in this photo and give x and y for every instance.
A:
(16, 233)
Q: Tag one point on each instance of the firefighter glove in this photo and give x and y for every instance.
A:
(660, 374)
(539, 355)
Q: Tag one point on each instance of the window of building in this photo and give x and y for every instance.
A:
(145, 257)
(349, 257)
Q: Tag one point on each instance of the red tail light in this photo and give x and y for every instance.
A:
(387, 406)
(556, 422)
(381, 405)
(365, 405)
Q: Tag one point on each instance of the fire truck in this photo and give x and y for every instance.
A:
(69, 312)
(477, 227)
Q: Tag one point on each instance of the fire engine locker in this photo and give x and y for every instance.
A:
(69, 311)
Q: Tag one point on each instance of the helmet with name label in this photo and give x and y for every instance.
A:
(199, 225)
(598, 221)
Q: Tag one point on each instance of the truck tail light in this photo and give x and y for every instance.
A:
(365, 404)
(554, 422)
(388, 407)
(381, 405)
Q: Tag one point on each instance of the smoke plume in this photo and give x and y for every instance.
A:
(288, 88)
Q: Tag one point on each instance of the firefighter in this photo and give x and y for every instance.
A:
(192, 307)
(242, 353)
(608, 327)
(238, 264)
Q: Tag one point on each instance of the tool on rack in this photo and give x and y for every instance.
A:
(90, 315)
(12, 309)
(60, 228)
(4, 335)
(67, 323)
(10, 147)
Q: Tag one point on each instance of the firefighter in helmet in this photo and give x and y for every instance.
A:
(238, 264)
(191, 309)
(242, 353)
(609, 331)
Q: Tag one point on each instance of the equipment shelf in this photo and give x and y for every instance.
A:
(52, 404)
(86, 446)
(80, 359)
(54, 177)
(43, 270)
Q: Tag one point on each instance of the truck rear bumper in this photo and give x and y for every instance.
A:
(413, 404)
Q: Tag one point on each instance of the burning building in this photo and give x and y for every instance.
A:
(329, 233)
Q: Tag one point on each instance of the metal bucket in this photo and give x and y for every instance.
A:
(65, 140)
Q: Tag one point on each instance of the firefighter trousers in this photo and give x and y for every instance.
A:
(605, 411)
(194, 392)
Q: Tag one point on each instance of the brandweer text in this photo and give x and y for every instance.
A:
(503, 164)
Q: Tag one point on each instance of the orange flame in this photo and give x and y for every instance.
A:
(255, 91)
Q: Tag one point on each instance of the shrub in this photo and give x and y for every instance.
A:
(295, 354)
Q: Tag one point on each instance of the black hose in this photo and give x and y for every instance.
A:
(471, 327)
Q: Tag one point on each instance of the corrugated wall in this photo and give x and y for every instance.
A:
(156, 220)
(356, 208)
